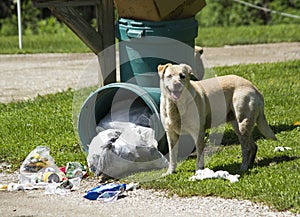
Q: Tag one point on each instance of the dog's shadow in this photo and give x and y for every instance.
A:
(235, 168)
(230, 138)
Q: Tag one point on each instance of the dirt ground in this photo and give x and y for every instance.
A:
(25, 76)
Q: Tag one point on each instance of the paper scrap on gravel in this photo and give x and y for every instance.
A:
(210, 174)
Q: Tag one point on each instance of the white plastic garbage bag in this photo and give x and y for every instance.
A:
(126, 149)
(126, 111)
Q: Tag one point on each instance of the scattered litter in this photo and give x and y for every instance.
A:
(109, 196)
(208, 174)
(39, 166)
(105, 193)
(38, 171)
(126, 149)
(297, 123)
(5, 167)
(3, 187)
(72, 184)
(132, 186)
(281, 149)
(16, 187)
(74, 170)
(55, 188)
(27, 186)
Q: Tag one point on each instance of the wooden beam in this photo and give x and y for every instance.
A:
(105, 25)
(63, 3)
(97, 41)
(72, 18)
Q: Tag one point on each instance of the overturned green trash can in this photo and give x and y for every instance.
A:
(101, 102)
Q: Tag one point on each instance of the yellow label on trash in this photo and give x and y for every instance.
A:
(3, 187)
(51, 177)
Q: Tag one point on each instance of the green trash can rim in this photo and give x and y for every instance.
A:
(87, 130)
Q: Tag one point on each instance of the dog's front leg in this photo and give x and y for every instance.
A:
(173, 151)
(200, 151)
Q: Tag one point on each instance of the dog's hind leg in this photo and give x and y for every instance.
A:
(244, 131)
(246, 111)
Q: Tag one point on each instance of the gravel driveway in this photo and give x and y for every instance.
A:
(25, 76)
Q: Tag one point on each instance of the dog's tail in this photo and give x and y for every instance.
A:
(263, 126)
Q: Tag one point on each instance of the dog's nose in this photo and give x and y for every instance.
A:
(177, 84)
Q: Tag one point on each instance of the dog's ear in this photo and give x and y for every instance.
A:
(162, 68)
(187, 68)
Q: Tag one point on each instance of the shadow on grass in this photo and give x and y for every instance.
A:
(235, 168)
(275, 160)
(283, 128)
(230, 138)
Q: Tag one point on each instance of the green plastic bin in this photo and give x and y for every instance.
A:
(144, 45)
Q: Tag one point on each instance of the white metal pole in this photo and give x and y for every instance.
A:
(19, 23)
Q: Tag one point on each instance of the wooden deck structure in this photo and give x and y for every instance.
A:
(96, 39)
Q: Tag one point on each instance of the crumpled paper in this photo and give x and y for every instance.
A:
(281, 149)
(209, 174)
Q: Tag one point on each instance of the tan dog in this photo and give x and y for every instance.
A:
(190, 107)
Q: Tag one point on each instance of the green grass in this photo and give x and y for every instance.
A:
(45, 121)
(220, 36)
(208, 37)
(54, 43)
(274, 180)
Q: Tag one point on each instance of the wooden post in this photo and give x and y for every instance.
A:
(80, 27)
(105, 25)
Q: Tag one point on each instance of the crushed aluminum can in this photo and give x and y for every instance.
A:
(50, 177)
(75, 169)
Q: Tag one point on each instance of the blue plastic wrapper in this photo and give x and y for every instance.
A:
(109, 196)
(96, 192)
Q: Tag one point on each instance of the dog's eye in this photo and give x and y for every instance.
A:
(182, 76)
(169, 76)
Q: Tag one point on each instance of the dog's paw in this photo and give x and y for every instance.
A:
(169, 172)
(165, 174)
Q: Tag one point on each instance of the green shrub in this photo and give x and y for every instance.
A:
(230, 13)
(9, 26)
(51, 26)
